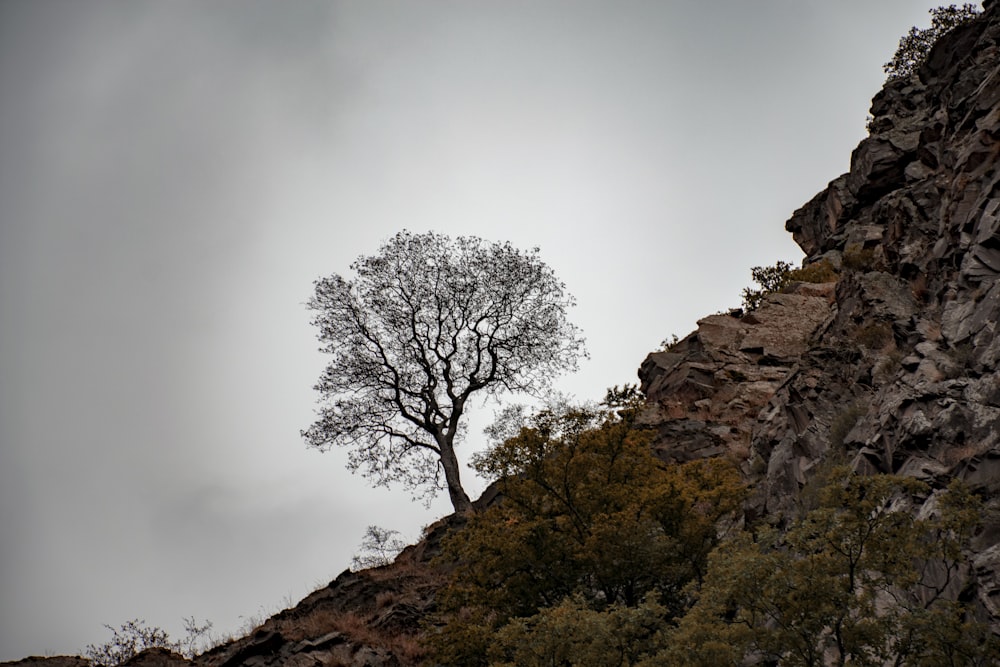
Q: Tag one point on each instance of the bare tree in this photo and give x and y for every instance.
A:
(379, 547)
(427, 323)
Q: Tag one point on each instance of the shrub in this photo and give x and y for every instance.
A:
(196, 638)
(817, 272)
(135, 636)
(669, 343)
(572, 633)
(847, 584)
(770, 278)
(779, 276)
(916, 44)
(857, 258)
(588, 514)
(132, 638)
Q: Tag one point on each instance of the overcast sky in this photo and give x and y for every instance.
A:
(175, 175)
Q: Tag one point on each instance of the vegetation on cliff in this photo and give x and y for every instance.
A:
(587, 514)
(916, 44)
(599, 554)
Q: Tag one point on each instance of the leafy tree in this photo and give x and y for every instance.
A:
(916, 44)
(587, 513)
(848, 584)
(428, 323)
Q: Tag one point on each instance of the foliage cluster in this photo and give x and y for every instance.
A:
(777, 277)
(849, 584)
(916, 44)
(601, 555)
(590, 520)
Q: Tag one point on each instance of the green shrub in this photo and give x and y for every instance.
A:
(847, 584)
(572, 633)
(588, 514)
(779, 276)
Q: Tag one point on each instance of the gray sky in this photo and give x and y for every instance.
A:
(174, 176)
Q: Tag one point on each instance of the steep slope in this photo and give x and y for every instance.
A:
(370, 618)
(895, 368)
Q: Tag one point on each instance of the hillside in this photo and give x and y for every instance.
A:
(890, 365)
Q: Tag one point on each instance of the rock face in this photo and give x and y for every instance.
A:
(704, 392)
(896, 367)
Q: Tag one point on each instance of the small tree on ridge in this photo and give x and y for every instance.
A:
(428, 323)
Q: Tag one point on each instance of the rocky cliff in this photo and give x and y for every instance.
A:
(895, 367)
(891, 366)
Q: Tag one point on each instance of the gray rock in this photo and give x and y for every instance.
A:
(900, 370)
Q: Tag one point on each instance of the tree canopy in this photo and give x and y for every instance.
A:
(426, 324)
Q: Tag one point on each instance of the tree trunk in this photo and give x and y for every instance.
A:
(459, 498)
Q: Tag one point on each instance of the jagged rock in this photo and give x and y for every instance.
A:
(901, 372)
(702, 396)
(816, 222)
